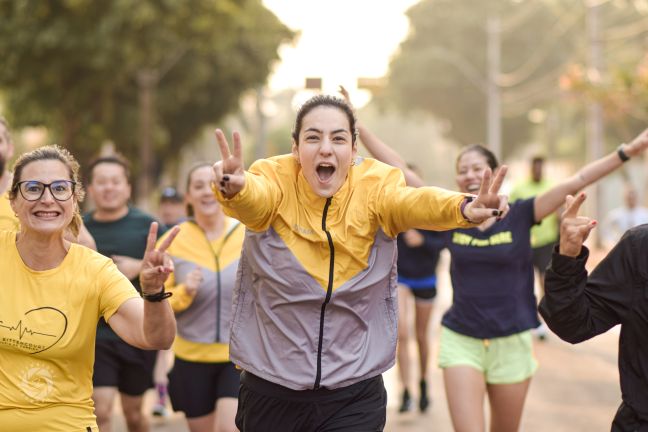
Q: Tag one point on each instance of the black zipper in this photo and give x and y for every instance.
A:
(329, 291)
(218, 274)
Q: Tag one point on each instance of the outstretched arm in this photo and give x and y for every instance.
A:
(577, 307)
(252, 196)
(550, 200)
(381, 151)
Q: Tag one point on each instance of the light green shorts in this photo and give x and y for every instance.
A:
(503, 360)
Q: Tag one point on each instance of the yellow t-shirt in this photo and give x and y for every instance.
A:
(8, 221)
(48, 322)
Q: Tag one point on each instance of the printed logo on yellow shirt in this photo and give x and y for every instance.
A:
(38, 330)
(37, 381)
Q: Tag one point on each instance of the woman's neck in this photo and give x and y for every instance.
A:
(212, 224)
(41, 252)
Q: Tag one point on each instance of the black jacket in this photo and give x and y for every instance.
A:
(577, 307)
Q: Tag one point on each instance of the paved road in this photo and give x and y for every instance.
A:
(576, 388)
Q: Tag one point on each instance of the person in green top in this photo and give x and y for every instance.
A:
(543, 235)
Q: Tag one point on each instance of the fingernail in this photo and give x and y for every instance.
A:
(496, 213)
(225, 178)
(222, 183)
(498, 219)
(222, 191)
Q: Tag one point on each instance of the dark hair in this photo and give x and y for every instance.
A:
(194, 168)
(113, 159)
(327, 101)
(52, 152)
(491, 160)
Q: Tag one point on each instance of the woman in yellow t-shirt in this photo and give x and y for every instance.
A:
(52, 293)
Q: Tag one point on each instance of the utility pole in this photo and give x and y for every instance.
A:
(147, 80)
(594, 109)
(493, 96)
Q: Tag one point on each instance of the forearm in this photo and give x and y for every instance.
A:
(159, 326)
(568, 308)
(551, 200)
(381, 151)
(428, 208)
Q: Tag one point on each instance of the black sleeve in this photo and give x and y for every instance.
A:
(577, 307)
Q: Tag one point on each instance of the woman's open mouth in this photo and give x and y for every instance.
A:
(325, 171)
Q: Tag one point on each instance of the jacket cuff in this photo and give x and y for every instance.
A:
(568, 266)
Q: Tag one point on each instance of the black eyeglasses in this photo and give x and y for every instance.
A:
(32, 190)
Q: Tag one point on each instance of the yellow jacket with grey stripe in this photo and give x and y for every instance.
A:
(203, 318)
(315, 300)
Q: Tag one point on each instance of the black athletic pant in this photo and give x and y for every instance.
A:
(265, 406)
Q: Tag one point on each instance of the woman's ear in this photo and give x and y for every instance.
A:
(295, 150)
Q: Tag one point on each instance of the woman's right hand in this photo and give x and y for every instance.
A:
(574, 229)
(637, 145)
(193, 281)
(229, 172)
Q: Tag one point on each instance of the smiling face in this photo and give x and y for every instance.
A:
(325, 149)
(46, 215)
(199, 192)
(470, 170)
(109, 188)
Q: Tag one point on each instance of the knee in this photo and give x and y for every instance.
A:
(103, 411)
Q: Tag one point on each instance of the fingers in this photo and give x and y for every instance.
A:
(345, 94)
(498, 180)
(169, 239)
(151, 238)
(572, 205)
(503, 206)
(238, 151)
(486, 180)
(218, 172)
(223, 146)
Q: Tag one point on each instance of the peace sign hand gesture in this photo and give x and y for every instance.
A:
(156, 264)
(229, 172)
(488, 202)
(574, 229)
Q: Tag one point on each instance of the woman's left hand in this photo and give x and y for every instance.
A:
(156, 264)
(488, 202)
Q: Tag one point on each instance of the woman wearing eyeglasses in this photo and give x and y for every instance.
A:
(52, 293)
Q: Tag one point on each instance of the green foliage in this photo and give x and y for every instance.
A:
(442, 66)
(73, 66)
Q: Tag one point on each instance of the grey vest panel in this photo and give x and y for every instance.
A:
(277, 306)
(198, 323)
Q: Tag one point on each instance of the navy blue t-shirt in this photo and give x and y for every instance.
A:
(421, 261)
(492, 277)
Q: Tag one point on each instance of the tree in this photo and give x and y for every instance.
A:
(441, 67)
(80, 67)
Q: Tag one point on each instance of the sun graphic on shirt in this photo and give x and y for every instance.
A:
(37, 382)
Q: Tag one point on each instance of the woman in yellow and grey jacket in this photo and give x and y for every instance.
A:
(314, 309)
(203, 383)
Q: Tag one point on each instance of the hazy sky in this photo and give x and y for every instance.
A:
(340, 40)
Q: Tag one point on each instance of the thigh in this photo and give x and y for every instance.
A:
(510, 359)
(225, 414)
(361, 407)
(104, 398)
(192, 387)
(136, 370)
(465, 389)
(507, 404)
(404, 299)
